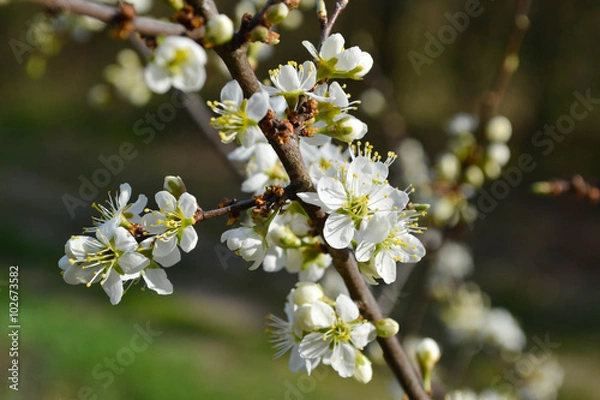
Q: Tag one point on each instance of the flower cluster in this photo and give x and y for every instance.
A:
(318, 330)
(283, 240)
(123, 246)
(178, 62)
(365, 211)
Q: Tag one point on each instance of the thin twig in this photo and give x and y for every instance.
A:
(575, 186)
(327, 23)
(508, 66)
(236, 206)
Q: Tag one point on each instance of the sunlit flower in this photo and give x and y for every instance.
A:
(247, 243)
(172, 225)
(239, 117)
(179, 62)
(105, 259)
(293, 80)
(358, 199)
(337, 62)
(341, 333)
(399, 246)
(284, 339)
(264, 169)
(118, 211)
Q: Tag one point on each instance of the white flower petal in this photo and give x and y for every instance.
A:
(137, 207)
(338, 230)
(189, 239)
(332, 46)
(322, 315)
(124, 194)
(343, 359)
(157, 78)
(257, 106)
(113, 286)
(313, 345)
(156, 279)
(232, 92)
(332, 193)
(345, 308)
(169, 259)
(133, 262)
(187, 205)
(124, 240)
(166, 202)
(363, 334)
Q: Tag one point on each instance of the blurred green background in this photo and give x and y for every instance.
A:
(535, 256)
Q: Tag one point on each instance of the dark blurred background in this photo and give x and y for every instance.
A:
(536, 256)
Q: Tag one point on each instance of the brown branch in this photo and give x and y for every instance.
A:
(234, 207)
(508, 66)
(106, 13)
(575, 186)
(234, 56)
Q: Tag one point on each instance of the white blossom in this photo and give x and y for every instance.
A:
(247, 243)
(343, 333)
(358, 199)
(337, 62)
(293, 80)
(239, 116)
(179, 62)
(118, 210)
(107, 258)
(172, 225)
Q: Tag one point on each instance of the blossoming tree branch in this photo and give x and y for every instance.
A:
(319, 195)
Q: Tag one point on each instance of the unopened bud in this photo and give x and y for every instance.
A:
(276, 14)
(259, 34)
(283, 236)
(174, 185)
(499, 152)
(219, 30)
(306, 293)
(428, 354)
(387, 328)
(419, 207)
(498, 129)
(176, 4)
(363, 372)
(449, 166)
(474, 176)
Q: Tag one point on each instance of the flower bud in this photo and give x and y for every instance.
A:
(276, 14)
(347, 129)
(306, 293)
(492, 169)
(449, 166)
(474, 176)
(428, 354)
(283, 236)
(499, 152)
(219, 30)
(498, 129)
(174, 185)
(363, 372)
(259, 34)
(387, 327)
(310, 317)
(176, 4)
